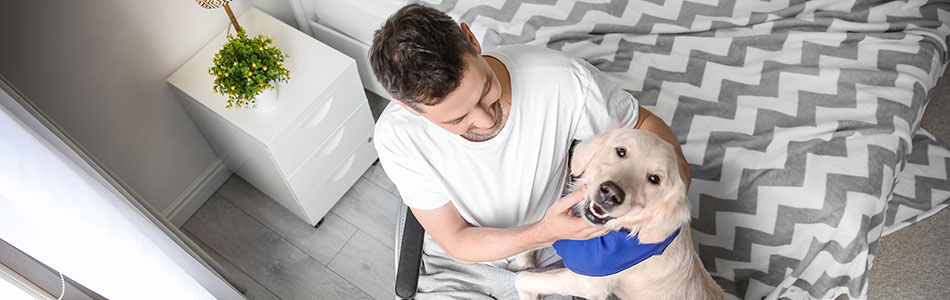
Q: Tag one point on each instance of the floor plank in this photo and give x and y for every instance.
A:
(368, 264)
(275, 263)
(377, 175)
(371, 209)
(254, 290)
(321, 243)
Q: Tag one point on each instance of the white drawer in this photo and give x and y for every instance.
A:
(329, 193)
(354, 132)
(313, 128)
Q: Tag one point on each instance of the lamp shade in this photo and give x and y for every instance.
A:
(210, 4)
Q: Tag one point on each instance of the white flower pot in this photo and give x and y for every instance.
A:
(266, 100)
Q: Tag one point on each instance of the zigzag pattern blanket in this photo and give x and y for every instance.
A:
(796, 117)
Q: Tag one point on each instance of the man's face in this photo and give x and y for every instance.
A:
(474, 109)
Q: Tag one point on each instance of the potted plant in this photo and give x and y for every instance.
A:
(247, 70)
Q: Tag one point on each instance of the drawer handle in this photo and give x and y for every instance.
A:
(319, 115)
(343, 169)
(332, 143)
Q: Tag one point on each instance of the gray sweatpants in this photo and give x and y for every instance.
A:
(441, 277)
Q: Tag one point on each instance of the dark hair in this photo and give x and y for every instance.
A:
(418, 55)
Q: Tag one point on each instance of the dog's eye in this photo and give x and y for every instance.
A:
(654, 179)
(621, 152)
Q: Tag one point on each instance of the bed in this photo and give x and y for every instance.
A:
(799, 119)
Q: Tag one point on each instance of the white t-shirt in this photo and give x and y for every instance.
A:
(511, 179)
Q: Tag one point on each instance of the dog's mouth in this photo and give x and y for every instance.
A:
(596, 214)
(598, 203)
(593, 212)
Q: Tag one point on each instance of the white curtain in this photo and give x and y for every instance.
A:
(58, 209)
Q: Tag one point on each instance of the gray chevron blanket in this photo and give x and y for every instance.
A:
(797, 117)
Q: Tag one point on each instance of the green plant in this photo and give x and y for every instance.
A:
(245, 67)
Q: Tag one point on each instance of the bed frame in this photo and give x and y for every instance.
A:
(309, 22)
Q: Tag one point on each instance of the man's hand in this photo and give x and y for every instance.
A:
(469, 244)
(559, 223)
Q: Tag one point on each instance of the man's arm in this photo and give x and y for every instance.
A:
(469, 244)
(650, 122)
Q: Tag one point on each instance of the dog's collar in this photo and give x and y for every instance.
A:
(608, 254)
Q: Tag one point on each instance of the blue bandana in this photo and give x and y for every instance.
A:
(608, 254)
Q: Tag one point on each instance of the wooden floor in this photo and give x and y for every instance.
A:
(279, 256)
(276, 255)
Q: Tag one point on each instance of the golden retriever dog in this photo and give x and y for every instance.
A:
(634, 187)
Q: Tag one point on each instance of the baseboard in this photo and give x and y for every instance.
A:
(197, 193)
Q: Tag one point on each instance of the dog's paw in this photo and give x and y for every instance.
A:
(523, 286)
(524, 261)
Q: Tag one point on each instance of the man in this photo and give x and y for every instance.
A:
(478, 142)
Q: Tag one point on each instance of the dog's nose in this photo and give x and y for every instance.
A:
(611, 193)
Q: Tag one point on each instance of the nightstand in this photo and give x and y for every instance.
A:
(309, 149)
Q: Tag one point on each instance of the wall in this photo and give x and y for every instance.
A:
(98, 69)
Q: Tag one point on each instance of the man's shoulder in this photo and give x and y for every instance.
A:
(394, 125)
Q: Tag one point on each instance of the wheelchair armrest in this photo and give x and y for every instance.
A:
(410, 257)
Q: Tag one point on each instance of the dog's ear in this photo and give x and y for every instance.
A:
(666, 215)
(585, 152)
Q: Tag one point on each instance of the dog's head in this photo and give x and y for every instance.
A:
(633, 183)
